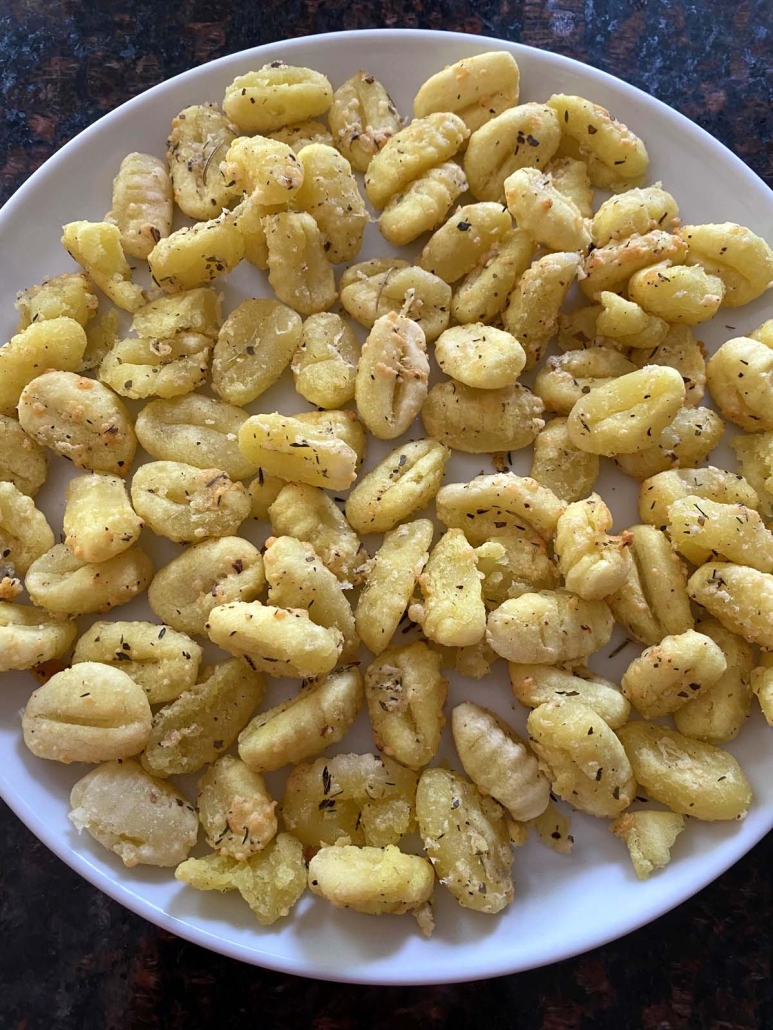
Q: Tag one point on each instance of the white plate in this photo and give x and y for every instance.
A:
(563, 905)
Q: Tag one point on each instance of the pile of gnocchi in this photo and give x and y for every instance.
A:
(527, 569)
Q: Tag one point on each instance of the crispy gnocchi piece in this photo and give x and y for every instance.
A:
(460, 244)
(501, 498)
(29, 636)
(298, 579)
(142, 368)
(301, 134)
(762, 685)
(483, 293)
(324, 365)
(56, 343)
(184, 503)
(739, 381)
(754, 455)
(524, 136)
(623, 415)
(690, 776)
(451, 612)
(315, 718)
(362, 117)
(616, 157)
(476, 88)
(266, 169)
(422, 205)
(741, 598)
(297, 450)
(196, 254)
(298, 268)
(96, 246)
(649, 837)
(466, 839)
(90, 713)
(193, 311)
(276, 95)
(99, 521)
(594, 564)
(235, 809)
(482, 421)
(271, 881)
(665, 676)
(565, 379)
(553, 829)
(654, 600)
(421, 145)
(635, 213)
(64, 584)
(69, 295)
(162, 661)
(548, 216)
(498, 762)
(535, 685)
(403, 289)
(309, 514)
(367, 799)
(391, 581)
(734, 254)
(480, 356)
(405, 693)
(679, 350)
(25, 534)
(628, 324)
(392, 376)
(684, 294)
(702, 529)
(331, 196)
(560, 466)
(277, 641)
(375, 881)
(582, 757)
(659, 492)
(548, 627)
(141, 819)
(532, 308)
(80, 419)
(198, 142)
(254, 346)
(689, 439)
(718, 713)
(191, 732)
(142, 206)
(570, 177)
(611, 266)
(214, 572)
(199, 430)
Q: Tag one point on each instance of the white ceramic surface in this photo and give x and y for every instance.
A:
(563, 906)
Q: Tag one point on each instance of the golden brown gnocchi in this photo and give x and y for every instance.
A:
(318, 716)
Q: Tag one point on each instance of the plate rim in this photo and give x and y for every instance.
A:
(198, 935)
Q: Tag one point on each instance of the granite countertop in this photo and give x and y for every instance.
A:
(71, 957)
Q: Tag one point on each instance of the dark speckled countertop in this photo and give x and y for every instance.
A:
(72, 959)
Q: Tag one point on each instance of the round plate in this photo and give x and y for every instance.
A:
(563, 905)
